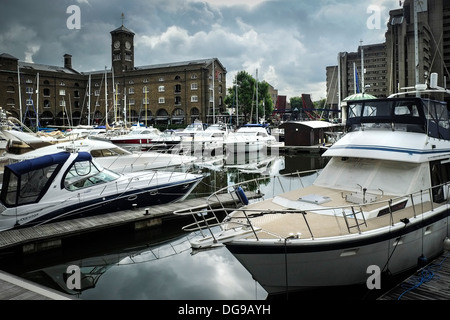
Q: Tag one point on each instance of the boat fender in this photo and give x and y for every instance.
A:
(422, 261)
(241, 195)
(447, 244)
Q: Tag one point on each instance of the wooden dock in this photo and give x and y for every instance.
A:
(15, 288)
(429, 283)
(51, 235)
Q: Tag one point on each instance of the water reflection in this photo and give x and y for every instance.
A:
(158, 264)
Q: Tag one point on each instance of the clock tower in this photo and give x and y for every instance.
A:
(122, 50)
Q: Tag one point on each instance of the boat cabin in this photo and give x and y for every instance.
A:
(26, 182)
(400, 114)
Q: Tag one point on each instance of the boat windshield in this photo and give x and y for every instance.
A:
(109, 152)
(404, 114)
(85, 174)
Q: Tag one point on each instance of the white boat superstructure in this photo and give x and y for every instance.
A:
(213, 137)
(70, 185)
(381, 201)
(112, 156)
(250, 138)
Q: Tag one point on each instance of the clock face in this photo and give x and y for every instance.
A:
(127, 45)
(117, 44)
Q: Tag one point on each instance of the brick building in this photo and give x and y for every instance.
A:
(178, 92)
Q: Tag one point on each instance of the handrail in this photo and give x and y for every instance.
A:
(392, 206)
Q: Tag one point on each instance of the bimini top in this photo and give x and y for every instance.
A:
(25, 166)
(27, 181)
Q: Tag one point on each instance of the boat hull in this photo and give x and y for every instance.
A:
(135, 198)
(298, 265)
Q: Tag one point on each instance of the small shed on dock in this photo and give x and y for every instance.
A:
(307, 133)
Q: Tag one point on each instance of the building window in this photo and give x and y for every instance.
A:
(161, 89)
(62, 103)
(161, 100)
(128, 57)
(177, 100)
(76, 94)
(194, 86)
(62, 83)
(10, 102)
(46, 92)
(46, 104)
(97, 93)
(131, 102)
(29, 81)
(29, 90)
(146, 101)
(178, 88)
(194, 76)
(131, 90)
(146, 80)
(10, 89)
(29, 102)
(62, 92)
(117, 57)
(161, 79)
(194, 98)
(145, 89)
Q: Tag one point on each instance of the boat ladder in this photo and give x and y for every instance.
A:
(352, 216)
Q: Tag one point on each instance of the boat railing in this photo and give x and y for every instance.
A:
(216, 212)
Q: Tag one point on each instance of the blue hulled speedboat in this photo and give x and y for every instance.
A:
(68, 185)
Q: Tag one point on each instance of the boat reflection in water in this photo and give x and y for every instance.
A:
(152, 268)
(156, 263)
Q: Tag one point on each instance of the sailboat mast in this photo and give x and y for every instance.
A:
(20, 94)
(362, 68)
(257, 106)
(37, 102)
(106, 98)
(89, 101)
(416, 42)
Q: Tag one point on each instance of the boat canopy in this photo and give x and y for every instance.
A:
(406, 114)
(27, 181)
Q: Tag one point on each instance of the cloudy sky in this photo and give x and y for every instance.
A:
(289, 42)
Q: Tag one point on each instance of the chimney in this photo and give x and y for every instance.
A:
(68, 61)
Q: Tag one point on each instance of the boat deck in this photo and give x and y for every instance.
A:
(311, 223)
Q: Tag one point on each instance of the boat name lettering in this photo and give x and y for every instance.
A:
(28, 217)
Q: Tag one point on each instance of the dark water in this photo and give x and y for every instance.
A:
(158, 264)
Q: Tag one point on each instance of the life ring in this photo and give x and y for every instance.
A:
(241, 195)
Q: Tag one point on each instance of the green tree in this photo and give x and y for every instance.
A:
(247, 98)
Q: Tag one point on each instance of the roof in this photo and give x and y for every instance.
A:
(42, 67)
(123, 29)
(205, 62)
(7, 56)
(313, 124)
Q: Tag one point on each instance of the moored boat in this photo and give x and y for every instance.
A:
(111, 156)
(381, 203)
(68, 185)
(250, 138)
